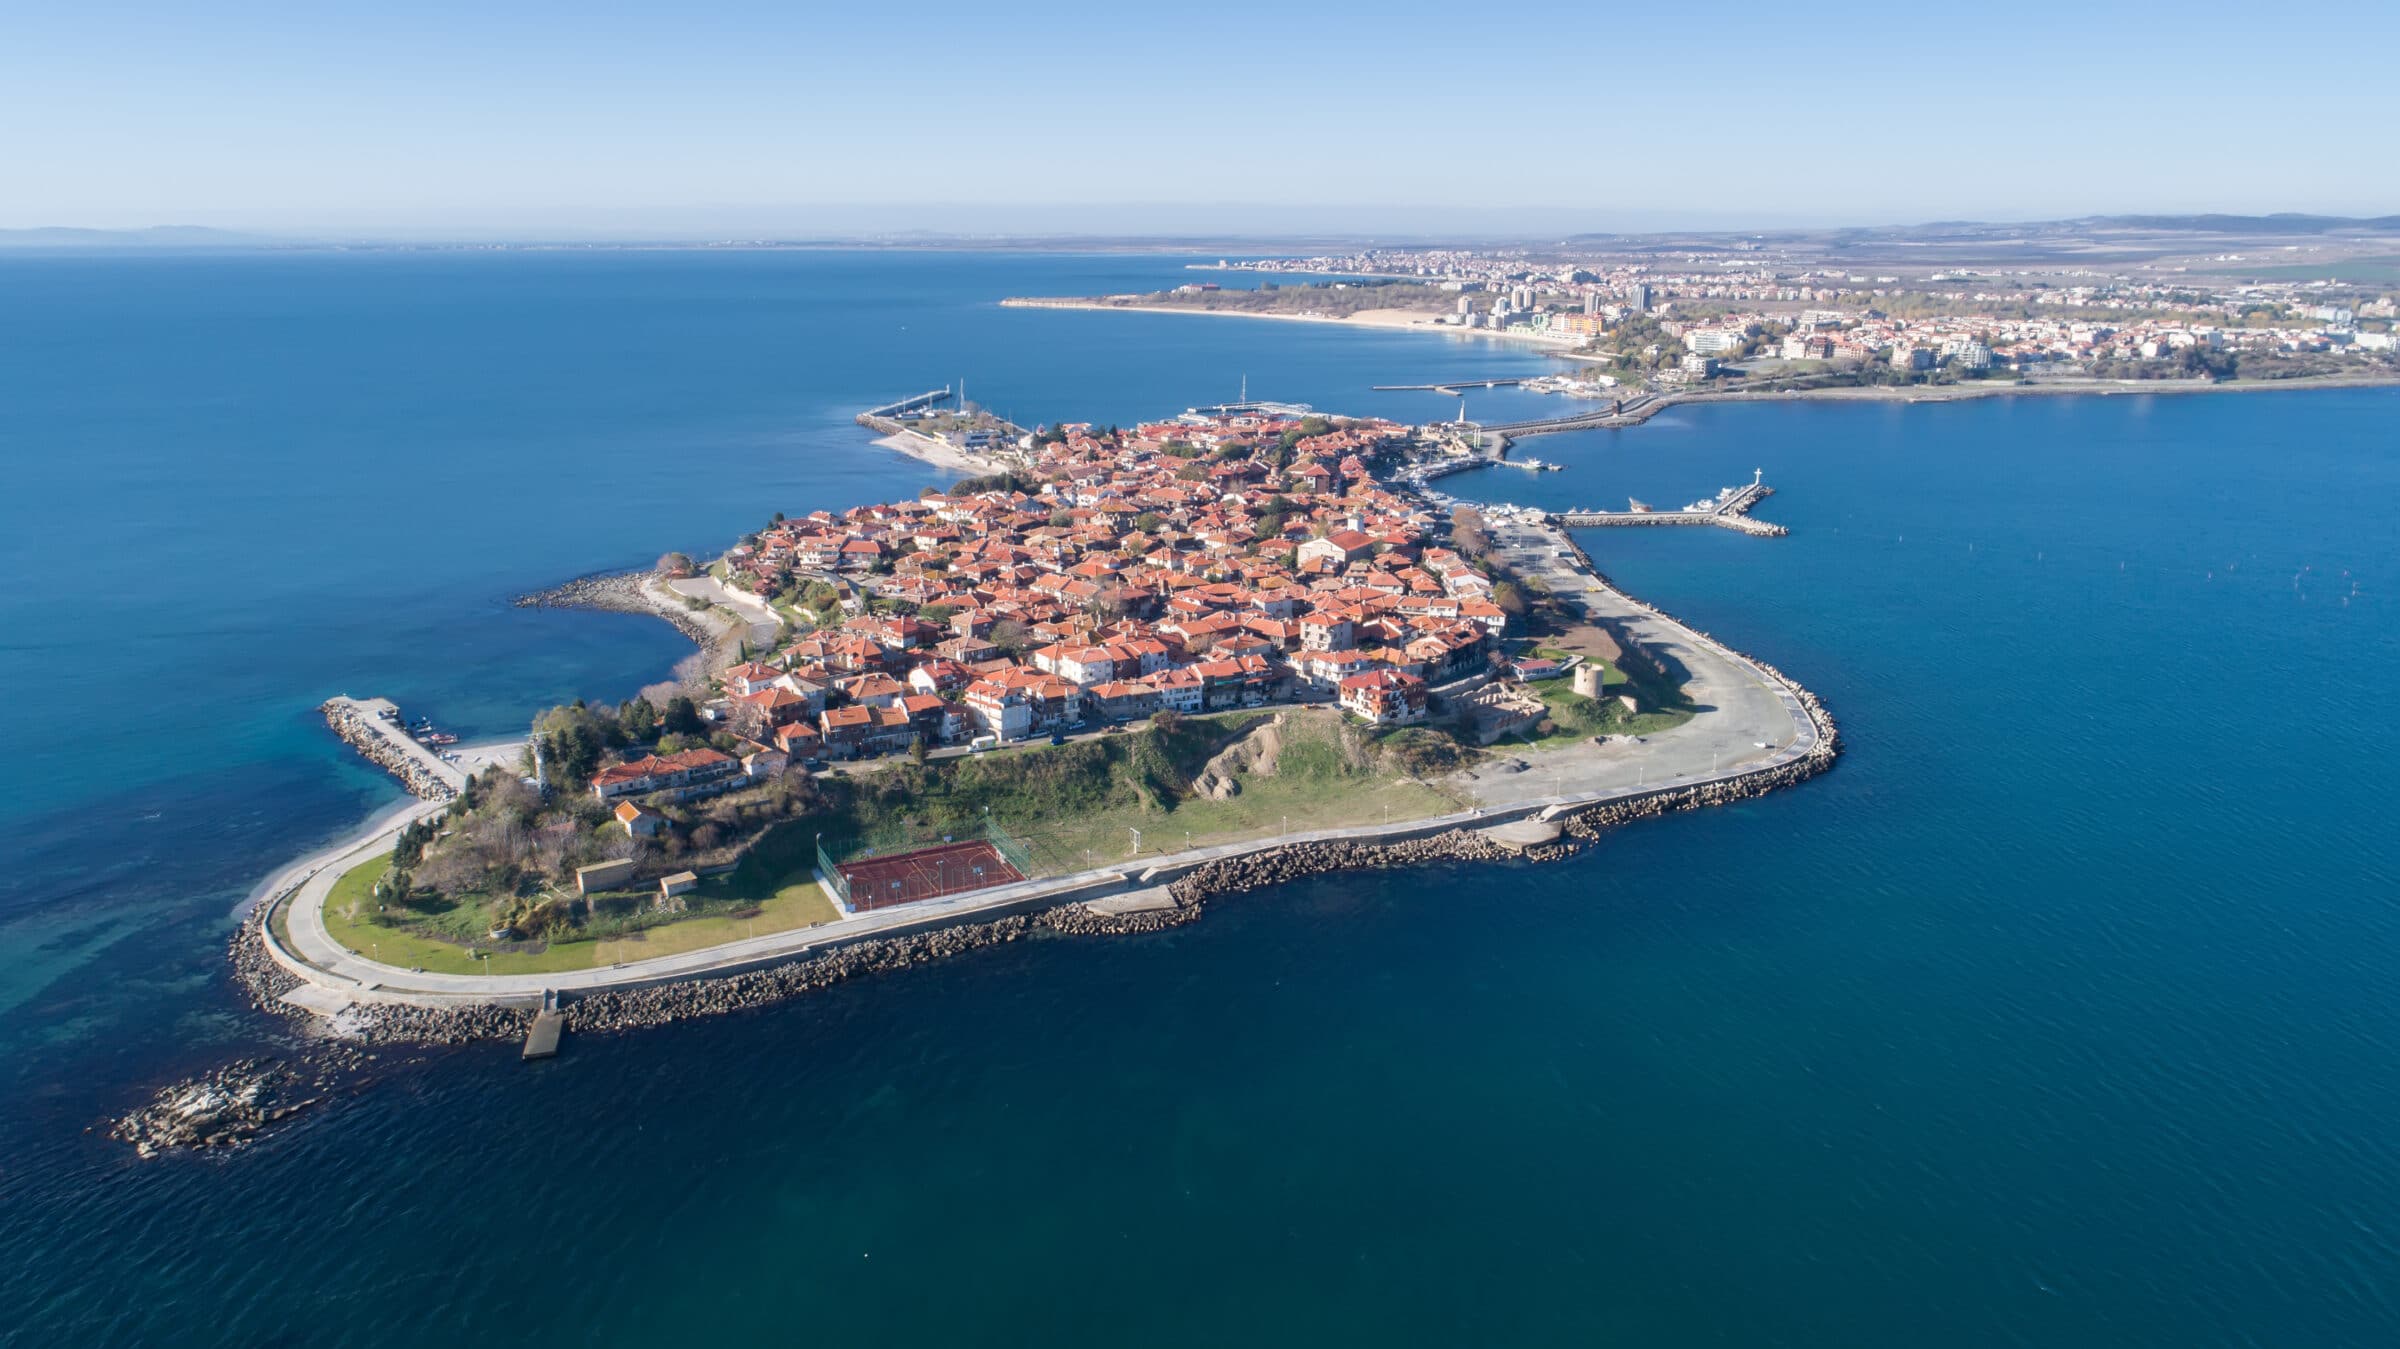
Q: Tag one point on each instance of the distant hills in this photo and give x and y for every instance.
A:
(2087, 238)
(2280, 223)
(158, 236)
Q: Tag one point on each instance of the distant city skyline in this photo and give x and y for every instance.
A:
(453, 120)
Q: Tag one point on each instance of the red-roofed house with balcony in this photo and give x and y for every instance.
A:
(1384, 697)
(660, 772)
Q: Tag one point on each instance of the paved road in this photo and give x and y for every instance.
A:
(1746, 707)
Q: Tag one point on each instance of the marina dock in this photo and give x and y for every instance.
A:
(1729, 510)
(924, 400)
(1452, 387)
(375, 728)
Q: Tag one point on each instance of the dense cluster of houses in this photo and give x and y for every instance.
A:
(2149, 319)
(1197, 564)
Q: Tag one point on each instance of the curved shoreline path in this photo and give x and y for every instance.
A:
(1756, 723)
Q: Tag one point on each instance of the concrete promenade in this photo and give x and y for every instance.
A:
(1754, 722)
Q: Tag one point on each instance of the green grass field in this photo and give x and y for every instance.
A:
(751, 901)
(1315, 786)
(1577, 718)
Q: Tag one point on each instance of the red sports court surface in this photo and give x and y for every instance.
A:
(928, 873)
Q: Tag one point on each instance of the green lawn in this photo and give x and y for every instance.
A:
(1577, 718)
(1313, 788)
(767, 903)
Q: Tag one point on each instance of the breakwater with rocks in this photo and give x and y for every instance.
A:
(625, 592)
(358, 730)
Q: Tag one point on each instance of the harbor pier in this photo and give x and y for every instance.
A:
(1729, 510)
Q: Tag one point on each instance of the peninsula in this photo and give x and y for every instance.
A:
(1798, 317)
(1131, 668)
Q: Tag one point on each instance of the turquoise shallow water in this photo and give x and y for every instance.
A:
(2062, 1012)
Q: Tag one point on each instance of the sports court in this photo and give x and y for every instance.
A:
(927, 873)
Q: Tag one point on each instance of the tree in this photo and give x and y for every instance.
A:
(938, 614)
(1511, 599)
(638, 721)
(1468, 534)
(682, 717)
(1009, 635)
(822, 597)
(675, 564)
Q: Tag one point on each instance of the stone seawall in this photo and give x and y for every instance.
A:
(355, 730)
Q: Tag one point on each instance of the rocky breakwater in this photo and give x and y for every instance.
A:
(357, 729)
(1084, 920)
(1297, 861)
(261, 976)
(626, 592)
(626, 1009)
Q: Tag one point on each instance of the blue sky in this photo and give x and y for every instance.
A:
(740, 116)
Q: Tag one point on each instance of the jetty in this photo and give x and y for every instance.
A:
(373, 727)
(1452, 386)
(1729, 509)
(1620, 412)
(929, 398)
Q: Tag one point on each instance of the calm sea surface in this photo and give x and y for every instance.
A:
(2066, 1011)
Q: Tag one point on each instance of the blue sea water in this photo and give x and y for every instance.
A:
(2062, 1012)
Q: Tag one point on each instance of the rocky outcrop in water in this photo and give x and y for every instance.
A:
(222, 1109)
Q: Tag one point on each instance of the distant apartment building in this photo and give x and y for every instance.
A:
(1712, 341)
(1968, 355)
